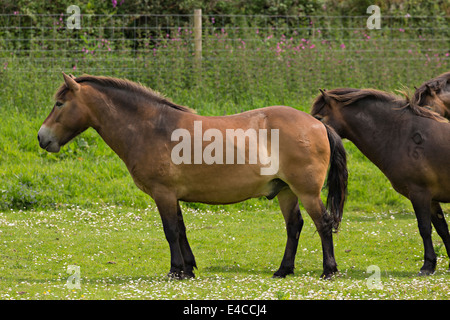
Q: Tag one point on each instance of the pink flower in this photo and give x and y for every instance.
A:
(447, 54)
(342, 46)
(74, 68)
(312, 46)
(401, 30)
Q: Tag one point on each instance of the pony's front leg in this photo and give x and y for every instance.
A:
(422, 207)
(168, 209)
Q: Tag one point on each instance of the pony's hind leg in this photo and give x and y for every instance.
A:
(439, 223)
(294, 223)
(324, 224)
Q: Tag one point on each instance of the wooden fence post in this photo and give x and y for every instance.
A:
(198, 40)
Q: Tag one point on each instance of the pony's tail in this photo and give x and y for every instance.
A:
(337, 178)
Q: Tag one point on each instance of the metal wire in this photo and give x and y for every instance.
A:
(46, 42)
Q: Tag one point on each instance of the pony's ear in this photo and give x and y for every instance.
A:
(325, 96)
(71, 83)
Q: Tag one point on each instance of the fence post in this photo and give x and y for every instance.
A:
(198, 40)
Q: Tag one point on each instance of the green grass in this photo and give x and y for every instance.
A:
(122, 254)
(81, 207)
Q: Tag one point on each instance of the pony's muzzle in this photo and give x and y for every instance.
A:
(47, 140)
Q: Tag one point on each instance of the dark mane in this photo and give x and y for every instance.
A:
(349, 96)
(125, 85)
(434, 84)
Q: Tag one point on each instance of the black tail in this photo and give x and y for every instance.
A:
(337, 178)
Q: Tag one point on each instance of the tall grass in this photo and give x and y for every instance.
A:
(247, 63)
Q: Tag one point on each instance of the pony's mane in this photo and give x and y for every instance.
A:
(347, 96)
(125, 85)
(434, 84)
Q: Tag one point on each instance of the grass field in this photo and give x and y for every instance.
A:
(122, 254)
(80, 207)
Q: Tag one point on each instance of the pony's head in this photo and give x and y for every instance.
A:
(435, 94)
(68, 118)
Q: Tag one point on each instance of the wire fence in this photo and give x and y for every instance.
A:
(290, 51)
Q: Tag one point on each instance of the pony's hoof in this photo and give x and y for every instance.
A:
(329, 275)
(282, 273)
(424, 273)
(180, 275)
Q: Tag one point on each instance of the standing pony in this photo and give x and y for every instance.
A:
(410, 145)
(145, 130)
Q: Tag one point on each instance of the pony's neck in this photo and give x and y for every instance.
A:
(374, 127)
(125, 124)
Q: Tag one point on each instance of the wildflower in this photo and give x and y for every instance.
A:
(401, 30)
(74, 68)
(447, 54)
(114, 3)
(312, 46)
(213, 21)
(342, 46)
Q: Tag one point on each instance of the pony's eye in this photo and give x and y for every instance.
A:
(58, 104)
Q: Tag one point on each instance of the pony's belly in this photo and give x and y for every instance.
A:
(221, 194)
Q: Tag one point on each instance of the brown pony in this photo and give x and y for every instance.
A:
(410, 145)
(435, 94)
(175, 155)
